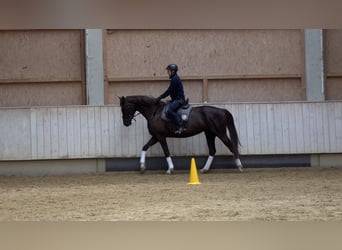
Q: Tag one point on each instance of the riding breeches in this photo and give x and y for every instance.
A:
(172, 111)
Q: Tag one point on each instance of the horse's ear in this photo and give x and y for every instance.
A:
(122, 100)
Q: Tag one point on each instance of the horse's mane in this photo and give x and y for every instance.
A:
(141, 99)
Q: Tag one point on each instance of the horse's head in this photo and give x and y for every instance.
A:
(128, 110)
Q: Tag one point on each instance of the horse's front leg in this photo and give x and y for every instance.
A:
(163, 143)
(149, 144)
(212, 151)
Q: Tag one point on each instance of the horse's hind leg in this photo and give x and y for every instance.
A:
(149, 144)
(212, 151)
(224, 138)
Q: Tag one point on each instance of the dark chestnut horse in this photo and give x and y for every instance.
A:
(210, 120)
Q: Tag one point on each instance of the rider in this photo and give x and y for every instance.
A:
(176, 91)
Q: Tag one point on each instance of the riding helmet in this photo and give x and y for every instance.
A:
(172, 67)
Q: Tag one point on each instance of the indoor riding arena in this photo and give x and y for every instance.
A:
(65, 154)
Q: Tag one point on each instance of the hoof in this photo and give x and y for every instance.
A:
(239, 165)
(204, 171)
(142, 169)
(169, 171)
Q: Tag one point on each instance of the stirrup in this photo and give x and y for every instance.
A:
(180, 130)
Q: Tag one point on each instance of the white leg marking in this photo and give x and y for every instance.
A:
(142, 157)
(170, 164)
(142, 161)
(207, 164)
(239, 164)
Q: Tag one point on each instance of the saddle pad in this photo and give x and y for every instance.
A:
(183, 111)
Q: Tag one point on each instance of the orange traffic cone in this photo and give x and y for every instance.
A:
(193, 180)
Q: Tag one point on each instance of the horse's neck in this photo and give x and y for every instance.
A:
(147, 110)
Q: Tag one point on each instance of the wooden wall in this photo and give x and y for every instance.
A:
(216, 65)
(97, 132)
(41, 67)
(46, 67)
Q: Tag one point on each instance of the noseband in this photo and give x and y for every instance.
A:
(133, 115)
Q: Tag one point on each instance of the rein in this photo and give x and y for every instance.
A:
(135, 115)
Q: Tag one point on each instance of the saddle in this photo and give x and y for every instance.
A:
(183, 111)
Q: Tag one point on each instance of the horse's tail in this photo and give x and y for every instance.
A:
(232, 130)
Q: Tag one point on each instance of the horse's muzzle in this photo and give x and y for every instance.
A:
(127, 123)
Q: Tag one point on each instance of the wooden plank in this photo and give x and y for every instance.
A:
(98, 131)
(105, 131)
(334, 75)
(264, 144)
(70, 131)
(196, 146)
(54, 133)
(325, 131)
(205, 90)
(183, 146)
(140, 142)
(91, 131)
(332, 126)
(83, 67)
(292, 128)
(77, 132)
(241, 119)
(231, 109)
(313, 128)
(15, 134)
(117, 123)
(284, 109)
(47, 132)
(84, 132)
(298, 127)
(270, 126)
(250, 129)
(306, 129)
(256, 128)
(111, 129)
(338, 126)
(206, 77)
(40, 133)
(43, 81)
(317, 109)
(142, 133)
(34, 138)
(62, 133)
(132, 142)
(278, 129)
(123, 134)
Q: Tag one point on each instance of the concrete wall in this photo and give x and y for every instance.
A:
(55, 167)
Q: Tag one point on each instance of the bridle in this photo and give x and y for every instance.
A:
(131, 116)
(135, 115)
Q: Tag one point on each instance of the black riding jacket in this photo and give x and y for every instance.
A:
(175, 90)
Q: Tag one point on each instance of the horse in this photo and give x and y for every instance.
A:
(211, 120)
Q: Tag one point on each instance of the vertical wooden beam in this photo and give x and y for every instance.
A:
(302, 69)
(83, 68)
(205, 90)
(105, 67)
